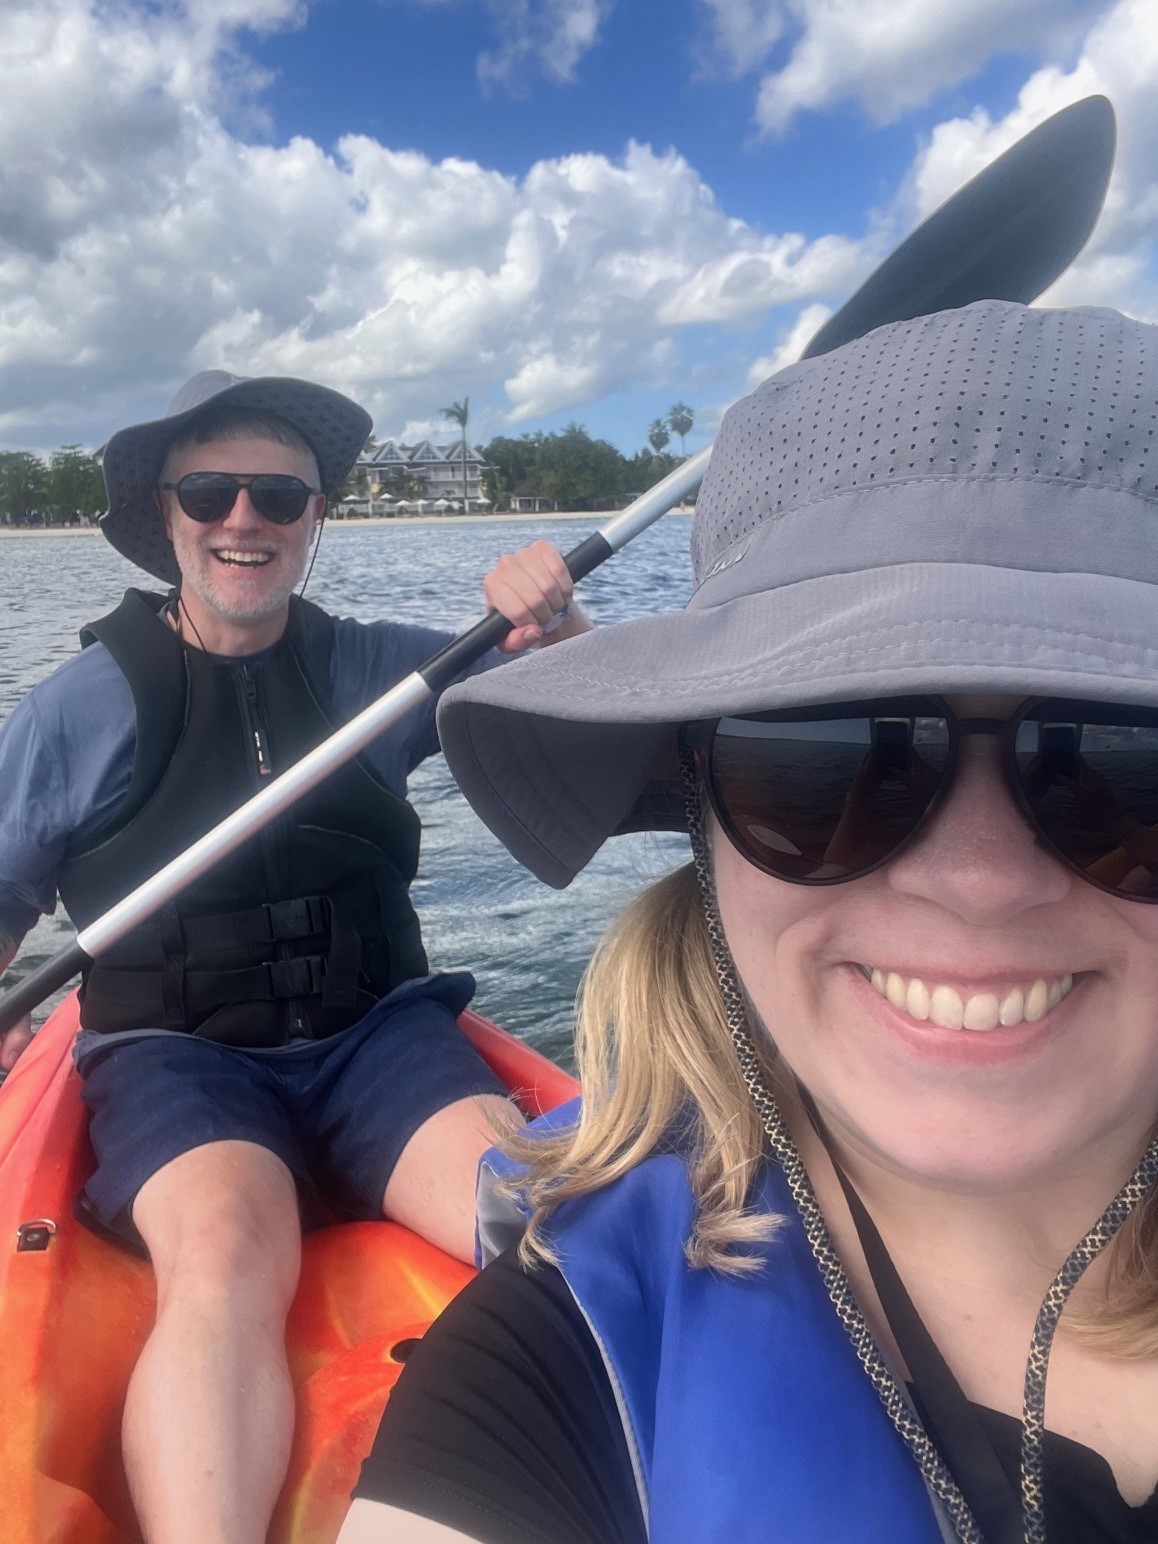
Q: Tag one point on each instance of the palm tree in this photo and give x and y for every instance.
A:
(657, 435)
(680, 418)
(459, 413)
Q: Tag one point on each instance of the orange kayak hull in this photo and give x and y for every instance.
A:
(75, 1312)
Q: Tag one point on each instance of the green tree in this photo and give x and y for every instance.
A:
(680, 420)
(459, 413)
(571, 468)
(658, 435)
(74, 485)
(510, 462)
(23, 485)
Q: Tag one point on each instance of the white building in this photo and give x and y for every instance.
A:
(439, 467)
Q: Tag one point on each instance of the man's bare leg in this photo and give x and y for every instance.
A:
(432, 1189)
(210, 1410)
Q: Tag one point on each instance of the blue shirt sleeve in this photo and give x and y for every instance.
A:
(66, 756)
(370, 658)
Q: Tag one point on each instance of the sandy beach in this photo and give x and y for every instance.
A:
(592, 516)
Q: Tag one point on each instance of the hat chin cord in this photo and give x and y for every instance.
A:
(314, 553)
(890, 1391)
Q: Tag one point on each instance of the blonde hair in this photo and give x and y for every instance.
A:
(655, 1058)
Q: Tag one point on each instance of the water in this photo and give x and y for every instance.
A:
(526, 944)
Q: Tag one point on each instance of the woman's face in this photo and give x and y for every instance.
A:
(972, 914)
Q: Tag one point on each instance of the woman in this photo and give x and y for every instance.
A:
(857, 1081)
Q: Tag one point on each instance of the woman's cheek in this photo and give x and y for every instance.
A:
(770, 927)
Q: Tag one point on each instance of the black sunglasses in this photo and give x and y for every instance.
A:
(209, 496)
(817, 796)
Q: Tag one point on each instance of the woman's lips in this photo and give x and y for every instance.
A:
(980, 1042)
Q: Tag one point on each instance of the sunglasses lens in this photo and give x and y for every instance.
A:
(207, 496)
(1088, 775)
(827, 798)
(279, 498)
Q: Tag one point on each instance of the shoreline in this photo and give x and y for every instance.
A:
(596, 516)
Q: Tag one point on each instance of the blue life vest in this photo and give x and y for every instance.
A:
(748, 1416)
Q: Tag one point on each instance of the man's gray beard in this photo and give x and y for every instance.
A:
(275, 601)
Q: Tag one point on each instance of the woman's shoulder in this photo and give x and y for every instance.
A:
(649, 1207)
(637, 1227)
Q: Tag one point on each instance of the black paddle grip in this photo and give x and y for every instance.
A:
(449, 663)
(39, 984)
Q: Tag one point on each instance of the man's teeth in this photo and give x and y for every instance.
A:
(243, 558)
(946, 1007)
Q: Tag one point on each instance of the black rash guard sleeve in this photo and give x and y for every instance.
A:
(504, 1424)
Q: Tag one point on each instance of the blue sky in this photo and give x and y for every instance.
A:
(567, 208)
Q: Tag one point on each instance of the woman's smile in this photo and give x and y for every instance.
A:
(962, 1023)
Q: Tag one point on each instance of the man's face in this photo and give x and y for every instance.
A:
(242, 568)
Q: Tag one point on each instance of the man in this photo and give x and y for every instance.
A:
(273, 1038)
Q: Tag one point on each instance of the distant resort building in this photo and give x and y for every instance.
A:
(418, 479)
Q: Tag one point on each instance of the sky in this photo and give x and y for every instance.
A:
(565, 209)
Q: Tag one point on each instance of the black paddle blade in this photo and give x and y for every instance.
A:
(1006, 235)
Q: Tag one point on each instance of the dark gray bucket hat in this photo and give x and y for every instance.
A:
(334, 427)
(965, 501)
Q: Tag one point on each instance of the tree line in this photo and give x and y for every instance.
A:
(576, 471)
(569, 468)
(64, 488)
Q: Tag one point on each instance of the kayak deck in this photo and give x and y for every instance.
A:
(76, 1310)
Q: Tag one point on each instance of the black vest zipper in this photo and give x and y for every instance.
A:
(253, 721)
(251, 712)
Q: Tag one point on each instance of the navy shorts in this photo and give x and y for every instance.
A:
(337, 1112)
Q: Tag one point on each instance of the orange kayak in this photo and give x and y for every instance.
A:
(75, 1312)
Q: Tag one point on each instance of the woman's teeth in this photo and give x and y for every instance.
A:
(946, 1007)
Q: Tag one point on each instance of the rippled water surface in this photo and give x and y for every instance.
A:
(526, 944)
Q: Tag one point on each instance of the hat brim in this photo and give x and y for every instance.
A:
(555, 751)
(334, 427)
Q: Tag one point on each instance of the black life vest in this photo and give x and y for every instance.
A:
(305, 926)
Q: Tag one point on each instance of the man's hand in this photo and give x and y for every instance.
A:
(14, 1042)
(532, 589)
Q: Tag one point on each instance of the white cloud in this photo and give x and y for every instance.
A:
(141, 239)
(1118, 58)
(886, 55)
(807, 324)
(547, 36)
(143, 236)
(742, 33)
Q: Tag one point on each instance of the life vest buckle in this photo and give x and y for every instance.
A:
(301, 977)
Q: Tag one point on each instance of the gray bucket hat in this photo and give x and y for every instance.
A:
(964, 501)
(334, 427)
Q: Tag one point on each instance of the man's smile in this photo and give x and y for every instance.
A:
(242, 557)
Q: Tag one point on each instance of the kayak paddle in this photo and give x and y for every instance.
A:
(1007, 234)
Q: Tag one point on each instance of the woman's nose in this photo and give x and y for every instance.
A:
(978, 857)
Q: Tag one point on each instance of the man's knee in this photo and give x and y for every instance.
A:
(221, 1226)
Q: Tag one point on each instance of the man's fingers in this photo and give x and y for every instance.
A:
(523, 596)
(520, 638)
(529, 586)
(14, 1042)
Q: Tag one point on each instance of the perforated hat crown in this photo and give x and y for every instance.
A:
(877, 446)
(962, 502)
